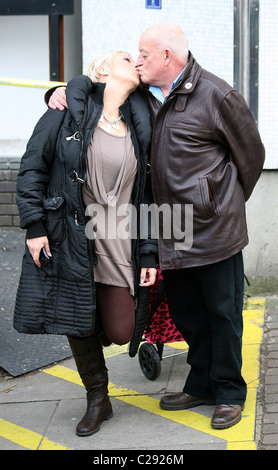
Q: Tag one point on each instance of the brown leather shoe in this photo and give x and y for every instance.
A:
(182, 401)
(226, 416)
(98, 410)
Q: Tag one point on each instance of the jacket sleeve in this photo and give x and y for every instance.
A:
(35, 168)
(149, 246)
(241, 133)
(142, 122)
(49, 92)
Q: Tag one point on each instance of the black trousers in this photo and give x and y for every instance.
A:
(206, 305)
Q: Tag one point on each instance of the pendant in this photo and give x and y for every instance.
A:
(110, 124)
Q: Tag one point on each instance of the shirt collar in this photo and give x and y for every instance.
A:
(156, 91)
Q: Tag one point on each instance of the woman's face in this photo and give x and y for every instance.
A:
(123, 68)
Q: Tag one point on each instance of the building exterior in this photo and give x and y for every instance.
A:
(235, 39)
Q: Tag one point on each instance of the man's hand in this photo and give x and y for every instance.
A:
(58, 99)
(147, 277)
(35, 246)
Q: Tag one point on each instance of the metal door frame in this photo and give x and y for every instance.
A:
(246, 51)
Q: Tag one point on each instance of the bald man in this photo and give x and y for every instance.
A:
(206, 155)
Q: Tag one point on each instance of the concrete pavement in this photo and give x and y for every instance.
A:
(40, 409)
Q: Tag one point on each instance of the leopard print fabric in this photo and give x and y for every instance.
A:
(160, 327)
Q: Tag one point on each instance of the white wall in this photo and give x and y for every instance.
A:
(118, 24)
(73, 43)
(24, 53)
(261, 255)
(107, 25)
(268, 83)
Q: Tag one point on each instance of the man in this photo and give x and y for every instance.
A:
(206, 152)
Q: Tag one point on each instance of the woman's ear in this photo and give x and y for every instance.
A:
(103, 70)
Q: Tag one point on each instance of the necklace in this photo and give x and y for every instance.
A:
(114, 124)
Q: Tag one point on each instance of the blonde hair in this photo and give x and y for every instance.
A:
(107, 59)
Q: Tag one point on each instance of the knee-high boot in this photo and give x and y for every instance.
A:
(89, 359)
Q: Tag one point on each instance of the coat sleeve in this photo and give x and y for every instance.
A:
(35, 168)
(149, 246)
(142, 121)
(49, 92)
(241, 133)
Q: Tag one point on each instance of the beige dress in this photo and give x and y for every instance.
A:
(111, 171)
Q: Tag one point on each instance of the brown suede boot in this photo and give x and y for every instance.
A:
(89, 359)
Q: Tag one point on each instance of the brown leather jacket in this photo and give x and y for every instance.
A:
(206, 152)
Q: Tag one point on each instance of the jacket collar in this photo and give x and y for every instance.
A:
(190, 77)
(79, 90)
(85, 102)
(82, 93)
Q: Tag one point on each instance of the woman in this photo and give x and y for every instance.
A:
(78, 281)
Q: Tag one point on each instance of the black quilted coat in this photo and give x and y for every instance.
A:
(60, 298)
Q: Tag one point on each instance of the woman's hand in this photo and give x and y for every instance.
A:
(147, 277)
(35, 246)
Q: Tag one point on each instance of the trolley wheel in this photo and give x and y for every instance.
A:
(149, 361)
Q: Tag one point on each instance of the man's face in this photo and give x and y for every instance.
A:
(150, 63)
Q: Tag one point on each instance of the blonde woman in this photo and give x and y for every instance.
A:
(77, 279)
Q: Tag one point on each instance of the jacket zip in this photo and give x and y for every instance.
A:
(78, 218)
(82, 165)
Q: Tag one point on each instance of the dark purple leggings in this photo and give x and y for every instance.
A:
(117, 310)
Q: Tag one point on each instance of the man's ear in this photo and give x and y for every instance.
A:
(168, 55)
